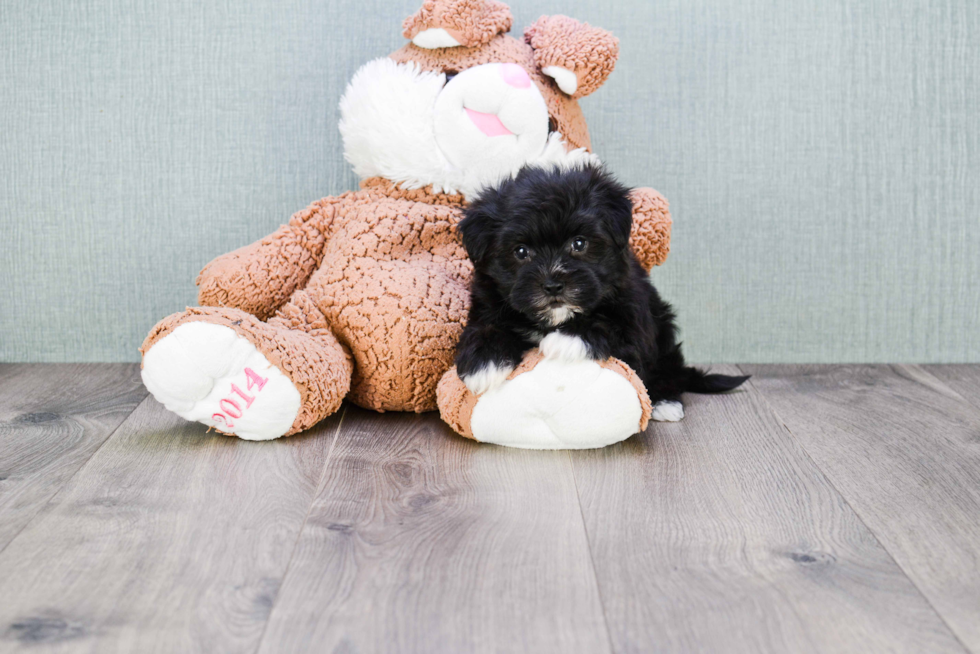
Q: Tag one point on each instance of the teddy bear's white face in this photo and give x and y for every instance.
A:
(491, 117)
(460, 135)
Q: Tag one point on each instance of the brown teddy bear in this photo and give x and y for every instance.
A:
(363, 295)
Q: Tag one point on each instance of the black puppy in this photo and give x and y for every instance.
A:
(553, 268)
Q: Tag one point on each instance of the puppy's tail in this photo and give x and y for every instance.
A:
(675, 377)
(698, 381)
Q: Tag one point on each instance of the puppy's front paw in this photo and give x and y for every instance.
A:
(668, 411)
(486, 378)
(565, 348)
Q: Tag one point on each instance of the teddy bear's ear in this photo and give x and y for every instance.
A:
(578, 56)
(450, 23)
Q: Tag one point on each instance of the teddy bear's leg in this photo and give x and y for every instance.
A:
(227, 369)
(547, 404)
(402, 322)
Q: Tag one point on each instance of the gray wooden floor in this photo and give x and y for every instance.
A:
(821, 509)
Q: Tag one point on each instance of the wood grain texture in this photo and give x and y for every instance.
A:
(904, 449)
(963, 378)
(421, 541)
(823, 509)
(52, 419)
(169, 540)
(718, 534)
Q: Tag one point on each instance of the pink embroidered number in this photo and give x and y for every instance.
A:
(254, 380)
(227, 405)
(248, 398)
(231, 407)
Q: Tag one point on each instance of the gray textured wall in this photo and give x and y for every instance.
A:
(821, 158)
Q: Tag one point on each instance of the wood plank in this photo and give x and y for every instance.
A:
(53, 417)
(962, 378)
(169, 539)
(718, 534)
(904, 449)
(422, 541)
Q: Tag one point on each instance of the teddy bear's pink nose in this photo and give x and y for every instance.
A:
(515, 76)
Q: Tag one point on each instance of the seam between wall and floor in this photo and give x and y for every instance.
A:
(855, 511)
(299, 535)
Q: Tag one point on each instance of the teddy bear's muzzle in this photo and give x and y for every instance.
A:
(492, 108)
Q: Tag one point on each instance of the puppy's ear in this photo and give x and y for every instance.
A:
(482, 218)
(621, 221)
(615, 205)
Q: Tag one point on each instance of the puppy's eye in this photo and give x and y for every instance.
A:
(579, 244)
(521, 252)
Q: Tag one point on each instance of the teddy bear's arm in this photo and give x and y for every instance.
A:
(650, 237)
(259, 278)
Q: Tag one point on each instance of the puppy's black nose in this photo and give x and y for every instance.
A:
(552, 287)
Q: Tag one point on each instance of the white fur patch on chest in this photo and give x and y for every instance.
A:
(558, 315)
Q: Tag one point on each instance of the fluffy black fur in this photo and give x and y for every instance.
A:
(550, 251)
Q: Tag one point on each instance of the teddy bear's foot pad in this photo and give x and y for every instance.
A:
(209, 374)
(559, 405)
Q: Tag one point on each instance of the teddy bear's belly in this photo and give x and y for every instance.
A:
(398, 302)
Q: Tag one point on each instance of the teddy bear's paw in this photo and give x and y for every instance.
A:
(559, 405)
(667, 411)
(209, 374)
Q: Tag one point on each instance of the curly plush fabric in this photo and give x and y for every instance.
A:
(470, 22)
(298, 343)
(587, 51)
(650, 238)
(563, 110)
(456, 402)
(394, 287)
(260, 277)
(637, 383)
(364, 295)
(385, 286)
